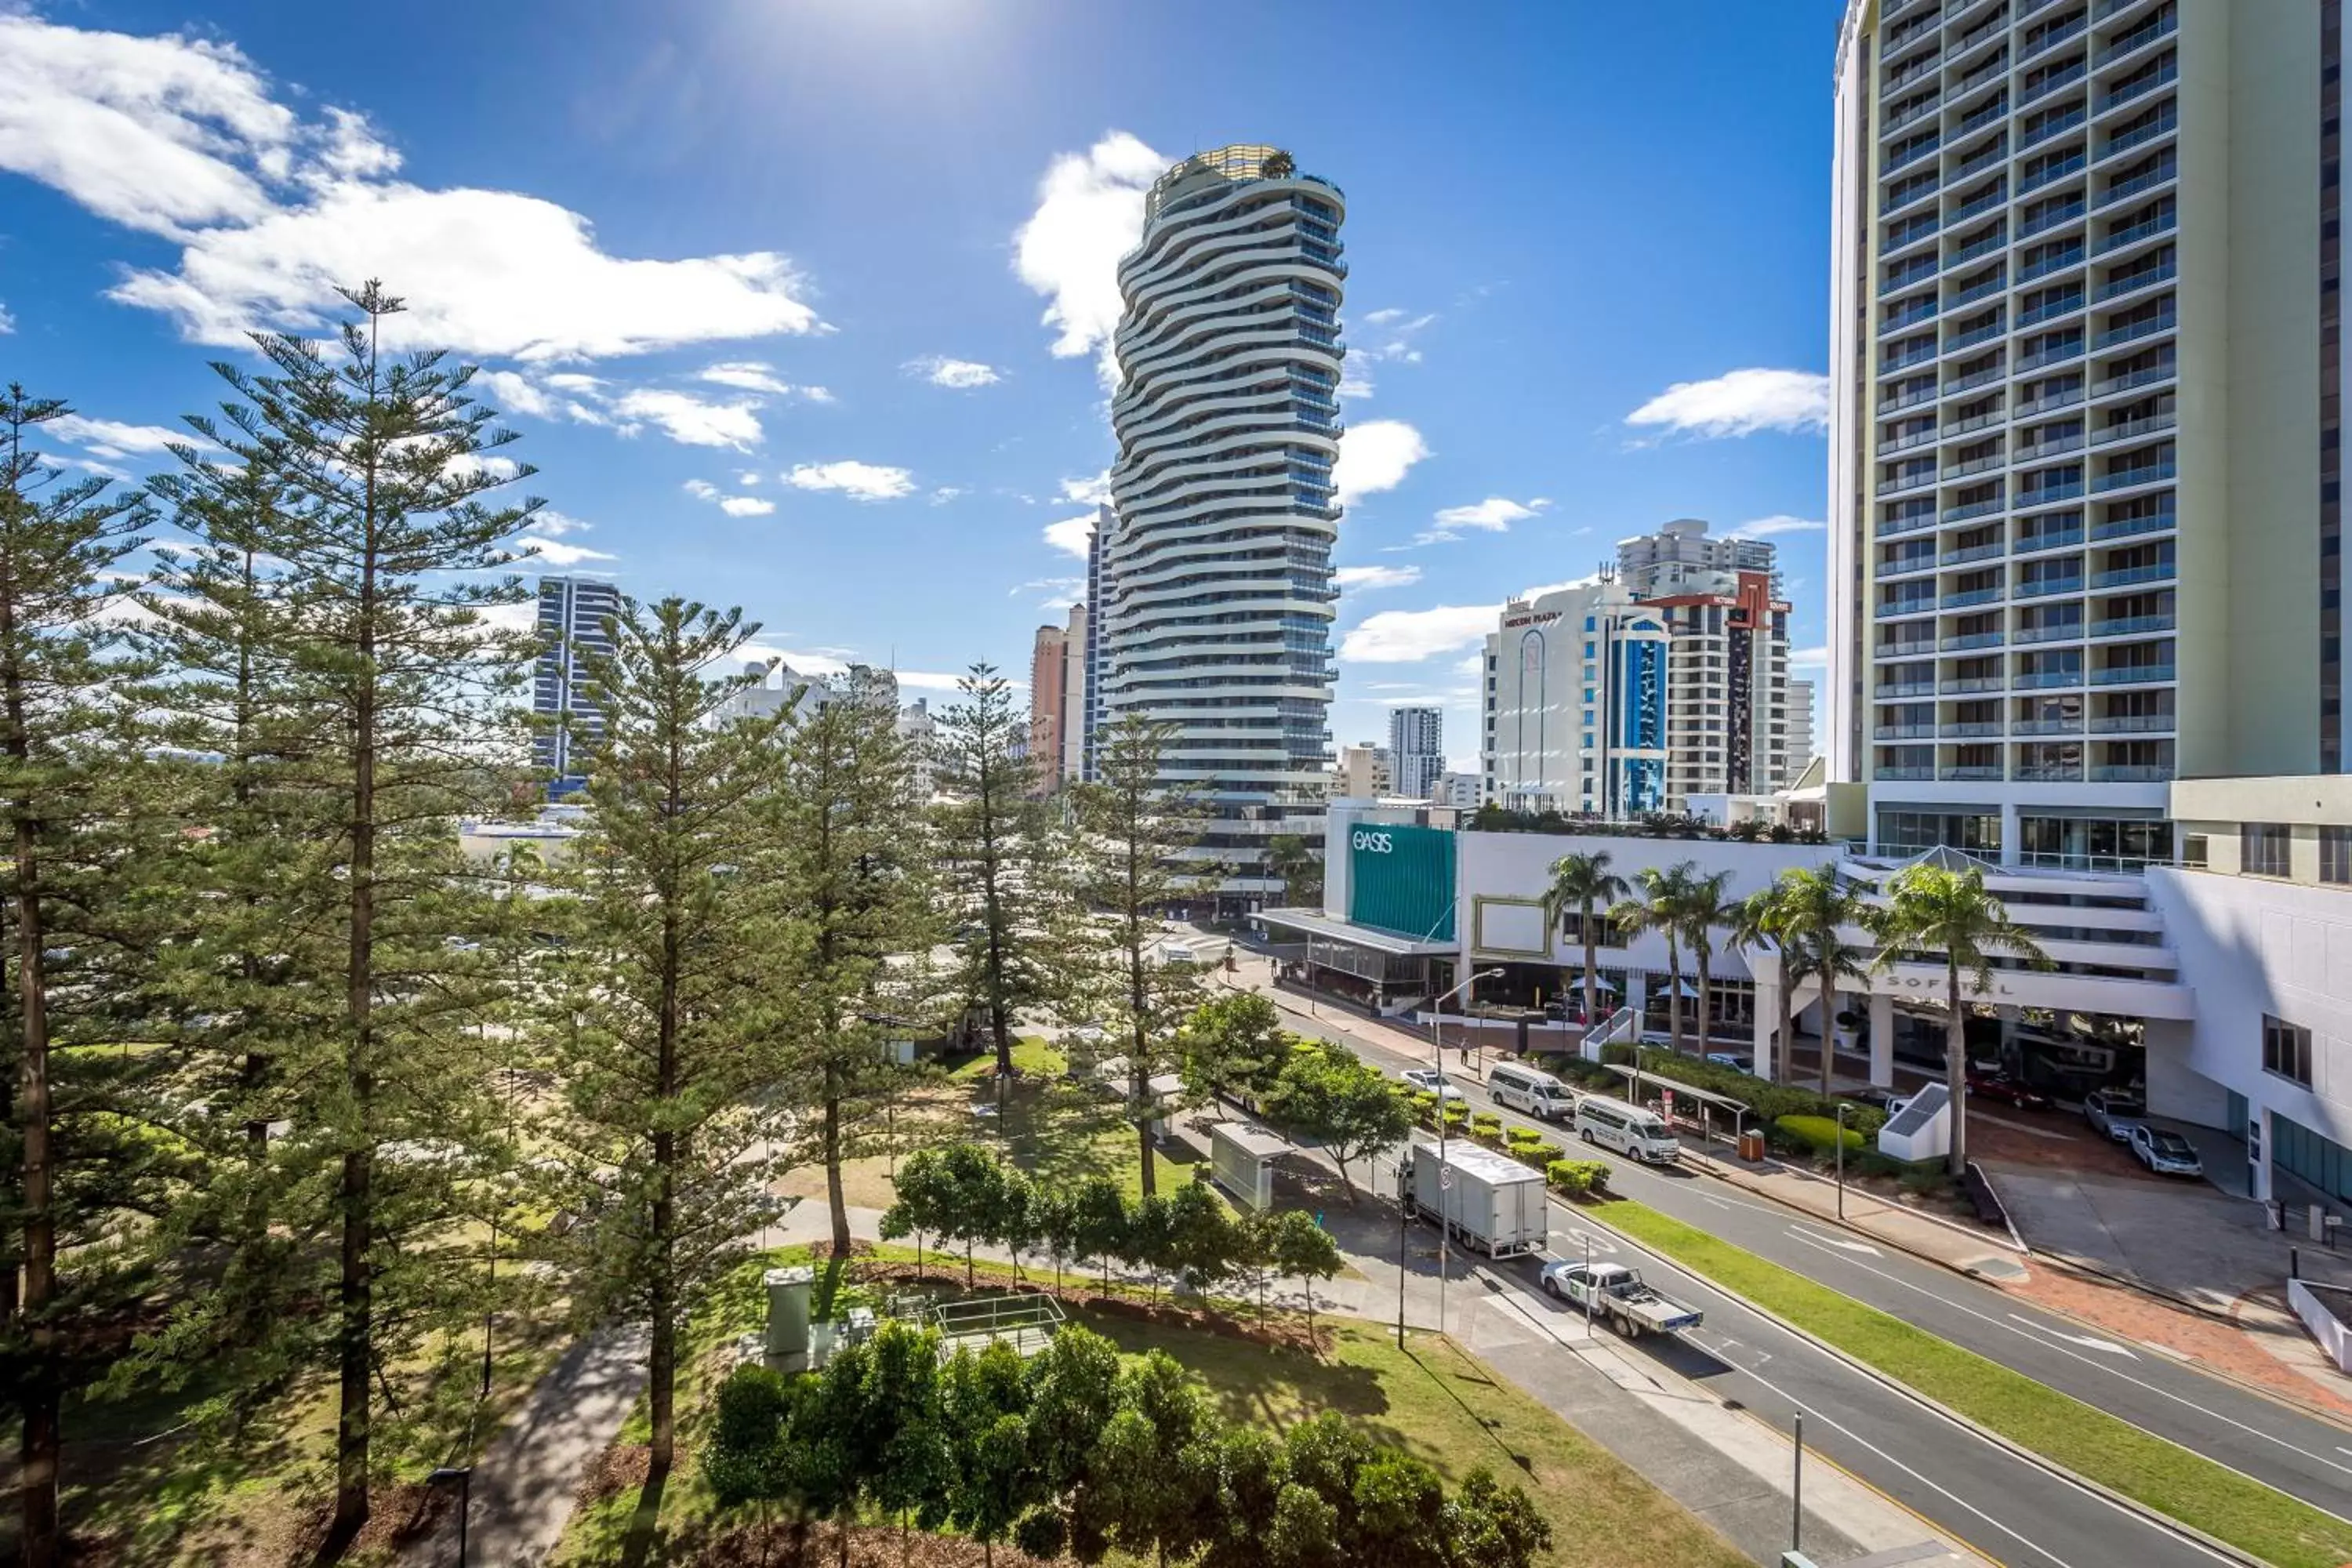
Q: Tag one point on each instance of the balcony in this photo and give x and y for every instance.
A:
(1973, 380)
(1970, 729)
(2056, 261)
(1904, 775)
(1962, 600)
(1908, 565)
(2061, 539)
(1911, 114)
(2050, 173)
(2132, 380)
(1992, 157)
(1918, 648)
(1914, 273)
(1902, 201)
(2050, 448)
(1897, 690)
(1908, 315)
(2140, 184)
(2042, 680)
(2163, 223)
(1896, 363)
(2133, 625)
(2126, 527)
(2161, 25)
(1975, 466)
(2054, 38)
(1909, 479)
(2043, 587)
(1973, 509)
(1912, 154)
(2056, 83)
(1910, 73)
(1973, 553)
(2051, 217)
(1972, 337)
(1922, 604)
(2135, 724)
(1996, 240)
(2146, 473)
(2048, 129)
(1888, 527)
(2132, 674)
(1971, 640)
(1903, 732)
(2047, 727)
(2043, 495)
(2066, 399)
(2049, 772)
(1900, 401)
(2131, 282)
(1977, 118)
(2170, 72)
(2123, 577)
(2131, 773)
(1905, 443)
(2060, 631)
(1960, 685)
(2050, 311)
(2147, 327)
(1976, 422)
(2056, 354)
(1971, 772)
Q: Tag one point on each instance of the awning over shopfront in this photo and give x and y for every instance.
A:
(1314, 924)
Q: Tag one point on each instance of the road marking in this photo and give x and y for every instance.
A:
(1844, 1244)
(1716, 1201)
(2087, 1341)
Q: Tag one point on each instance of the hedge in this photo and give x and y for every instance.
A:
(1486, 1123)
(1574, 1178)
(1771, 1101)
(1819, 1135)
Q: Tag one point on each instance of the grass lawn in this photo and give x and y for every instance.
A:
(2247, 1514)
(1430, 1400)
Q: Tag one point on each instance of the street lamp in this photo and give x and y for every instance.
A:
(1438, 1054)
(462, 1478)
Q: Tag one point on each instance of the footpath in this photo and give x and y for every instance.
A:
(2250, 1339)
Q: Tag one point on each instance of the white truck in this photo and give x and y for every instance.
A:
(1618, 1293)
(1488, 1201)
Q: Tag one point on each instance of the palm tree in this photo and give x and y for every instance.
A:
(1934, 906)
(1755, 922)
(1702, 912)
(1659, 909)
(1583, 883)
(1814, 905)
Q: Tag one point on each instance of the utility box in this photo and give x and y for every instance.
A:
(1751, 1146)
(787, 1345)
(1242, 1157)
(1922, 1130)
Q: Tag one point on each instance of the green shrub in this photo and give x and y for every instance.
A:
(1486, 1124)
(1817, 1134)
(1456, 1113)
(1522, 1138)
(1617, 1056)
(1545, 1152)
(1575, 1178)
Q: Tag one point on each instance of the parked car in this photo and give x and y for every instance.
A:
(2166, 1153)
(2114, 1112)
(1429, 1081)
(2006, 1090)
(1620, 1295)
(1735, 1060)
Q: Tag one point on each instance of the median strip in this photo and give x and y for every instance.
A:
(2152, 1470)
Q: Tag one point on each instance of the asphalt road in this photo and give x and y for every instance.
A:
(2006, 1507)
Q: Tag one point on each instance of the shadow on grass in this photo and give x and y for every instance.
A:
(645, 1525)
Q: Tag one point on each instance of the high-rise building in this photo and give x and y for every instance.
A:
(1463, 792)
(572, 613)
(1049, 678)
(1652, 563)
(1364, 773)
(2086, 415)
(1800, 752)
(1091, 711)
(1575, 702)
(1213, 608)
(1074, 694)
(1416, 751)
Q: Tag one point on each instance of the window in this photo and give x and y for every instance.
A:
(2262, 849)
(2336, 854)
(2286, 1051)
(2193, 851)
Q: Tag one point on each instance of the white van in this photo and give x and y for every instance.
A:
(1628, 1128)
(1537, 1093)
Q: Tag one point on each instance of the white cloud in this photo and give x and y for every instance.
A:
(1356, 375)
(747, 506)
(1061, 593)
(758, 376)
(691, 420)
(960, 374)
(859, 481)
(1089, 213)
(750, 479)
(515, 394)
(1365, 578)
(932, 680)
(1070, 534)
(1739, 403)
(702, 489)
(556, 554)
(554, 524)
(1766, 527)
(111, 437)
(1809, 657)
(1382, 318)
(185, 138)
(7, 321)
(1375, 455)
(1095, 492)
(465, 464)
(1407, 636)
(946, 493)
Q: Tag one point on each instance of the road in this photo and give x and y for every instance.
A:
(2006, 1507)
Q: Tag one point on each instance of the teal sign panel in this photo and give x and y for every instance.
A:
(1401, 879)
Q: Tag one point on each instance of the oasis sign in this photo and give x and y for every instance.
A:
(1401, 879)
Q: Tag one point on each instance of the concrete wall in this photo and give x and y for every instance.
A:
(2249, 946)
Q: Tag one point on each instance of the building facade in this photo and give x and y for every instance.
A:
(1799, 738)
(1074, 694)
(1574, 696)
(572, 613)
(1682, 552)
(1049, 713)
(2085, 414)
(1213, 594)
(1416, 751)
(1365, 772)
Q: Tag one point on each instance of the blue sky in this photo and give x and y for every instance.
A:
(798, 306)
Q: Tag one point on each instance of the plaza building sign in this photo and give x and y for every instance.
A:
(1401, 879)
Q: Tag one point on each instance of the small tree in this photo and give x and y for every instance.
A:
(745, 1461)
(985, 1405)
(1583, 884)
(1305, 1251)
(926, 1200)
(975, 1200)
(1013, 1224)
(1151, 1238)
(1053, 1224)
(1073, 1388)
(1347, 1105)
(1299, 865)
(1493, 1525)
(1231, 1045)
(1201, 1237)
(1146, 1465)
(1101, 1224)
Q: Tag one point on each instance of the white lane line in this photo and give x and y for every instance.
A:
(1844, 1244)
(2087, 1341)
(2114, 1371)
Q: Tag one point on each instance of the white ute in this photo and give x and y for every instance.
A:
(1619, 1294)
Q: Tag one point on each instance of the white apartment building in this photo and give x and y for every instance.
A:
(572, 612)
(1213, 610)
(1365, 772)
(1074, 695)
(1416, 750)
(1799, 710)
(1682, 549)
(2085, 414)
(1574, 701)
(1463, 792)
